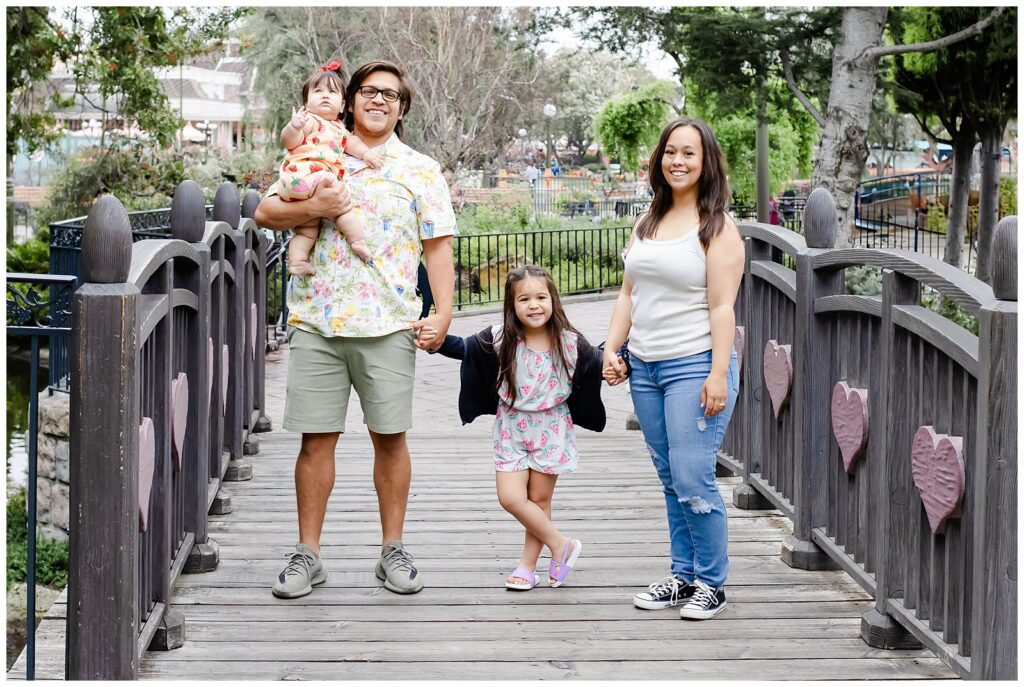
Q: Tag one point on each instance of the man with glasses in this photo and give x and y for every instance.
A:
(354, 325)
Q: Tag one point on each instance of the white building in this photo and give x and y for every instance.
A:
(213, 94)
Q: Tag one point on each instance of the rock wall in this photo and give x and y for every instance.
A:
(53, 476)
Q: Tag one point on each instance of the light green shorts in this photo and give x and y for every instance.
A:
(322, 371)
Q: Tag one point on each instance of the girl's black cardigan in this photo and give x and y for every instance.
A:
(479, 374)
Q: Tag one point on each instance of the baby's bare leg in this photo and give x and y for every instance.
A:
(352, 229)
(300, 247)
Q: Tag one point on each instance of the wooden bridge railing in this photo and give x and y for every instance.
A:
(167, 386)
(886, 432)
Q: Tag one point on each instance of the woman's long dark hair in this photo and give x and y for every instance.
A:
(713, 186)
(513, 330)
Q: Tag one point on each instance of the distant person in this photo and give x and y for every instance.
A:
(540, 378)
(773, 212)
(788, 205)
(532, 173)
(555, 168)
(317, 142)
(684, 263)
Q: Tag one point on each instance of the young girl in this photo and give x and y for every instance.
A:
(317, 141)
(539, 377)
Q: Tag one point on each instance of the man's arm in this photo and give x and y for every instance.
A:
(437, 256)
(331, 200)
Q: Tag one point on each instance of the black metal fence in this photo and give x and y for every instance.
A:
(38, 308)
(893, 212)
(66, 236)
(580, 260)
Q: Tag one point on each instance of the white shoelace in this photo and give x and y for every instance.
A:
(669, 584)
(704, 595)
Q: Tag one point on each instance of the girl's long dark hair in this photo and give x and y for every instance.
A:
(713, 186)
(512, 329)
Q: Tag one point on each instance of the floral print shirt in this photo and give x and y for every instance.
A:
(401, 205)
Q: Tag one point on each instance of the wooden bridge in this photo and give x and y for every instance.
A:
(836, 573)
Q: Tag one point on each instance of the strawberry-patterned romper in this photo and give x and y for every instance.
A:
(536, 432)
(320, 154)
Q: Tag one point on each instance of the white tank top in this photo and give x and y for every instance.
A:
(670, 316)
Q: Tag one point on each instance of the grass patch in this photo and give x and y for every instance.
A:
(51, 556)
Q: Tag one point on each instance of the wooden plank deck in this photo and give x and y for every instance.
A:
(781, 623)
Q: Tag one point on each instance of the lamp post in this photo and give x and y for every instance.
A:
(549, 112)
(206, 140)
(522, 143)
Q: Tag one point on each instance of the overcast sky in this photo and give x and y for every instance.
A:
(659, 64)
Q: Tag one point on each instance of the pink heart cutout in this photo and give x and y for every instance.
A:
(938, 467)
(739, 343)
(179, 416)
(850, 422)
(147, 462)
(778, 374)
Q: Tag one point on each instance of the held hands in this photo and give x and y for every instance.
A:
(614, 369)
(373, 160)
(430, 331)
(426, 337)
(714, 395)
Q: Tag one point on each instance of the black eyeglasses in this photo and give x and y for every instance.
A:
(370, 92)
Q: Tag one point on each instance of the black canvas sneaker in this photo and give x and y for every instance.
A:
(664, 593)
(706, 603)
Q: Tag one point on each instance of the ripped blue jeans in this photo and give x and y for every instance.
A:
(683, 444)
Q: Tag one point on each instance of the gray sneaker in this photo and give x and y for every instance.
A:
(304, 569)
(395, 568)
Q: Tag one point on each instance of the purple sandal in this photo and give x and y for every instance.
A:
(524, 574)
(559, 570)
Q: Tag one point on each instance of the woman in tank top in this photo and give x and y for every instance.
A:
(684, 263)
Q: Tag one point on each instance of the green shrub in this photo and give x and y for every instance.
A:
(33, 256)
(1007, 196)
(936, 219)
(863, 281)
(51, 556)
(494, 218)
(142, 178)
(938, 303)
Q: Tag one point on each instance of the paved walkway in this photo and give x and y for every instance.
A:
(780, 624)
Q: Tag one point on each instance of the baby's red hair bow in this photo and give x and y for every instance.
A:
(332, 67)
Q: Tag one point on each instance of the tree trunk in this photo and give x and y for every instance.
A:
(959, 193)
(988, 198)
(842, 150)
(761, 145)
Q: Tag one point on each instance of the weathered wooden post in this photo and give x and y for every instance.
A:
(188, 223)
(895, 485)
(226, 209)
(994, 620)
(812, 389)
(744, 495)
(102, 624)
